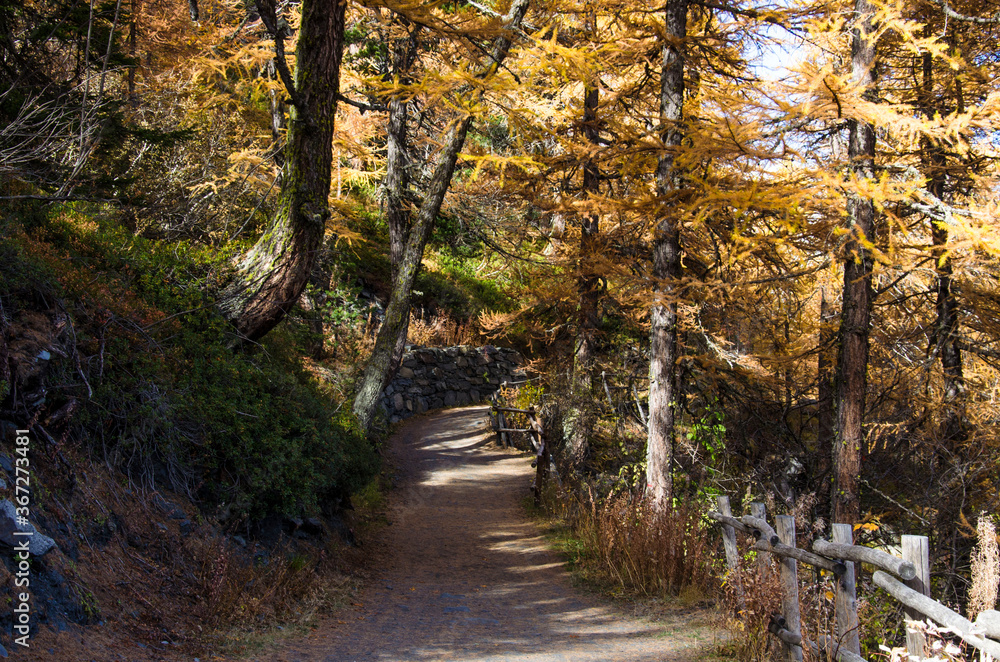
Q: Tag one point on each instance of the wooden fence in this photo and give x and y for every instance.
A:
(543, 464)
(907, 579)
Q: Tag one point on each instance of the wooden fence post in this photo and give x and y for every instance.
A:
(542, 455)
(916, 550)
(729, 544)
(785, 527)
(502, 418)
(728, 533)
(759, 511)
(495, 418)
(847, 599)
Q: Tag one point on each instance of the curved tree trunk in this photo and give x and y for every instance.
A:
(855, 315)
(381, 366)
(666, 267)
(272, 275)
(384, 360)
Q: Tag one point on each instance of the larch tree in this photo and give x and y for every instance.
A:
(946, 86)
(666, 263)
(383, 362)
(272, 275)
(579, 422)
(855, 318)
(897, 248)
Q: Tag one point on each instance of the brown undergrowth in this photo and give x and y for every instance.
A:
(441, 331)
(244, 592)
(154, 585)
(621, 543)
(751, 594)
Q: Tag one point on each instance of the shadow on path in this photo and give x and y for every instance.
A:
(467, 577)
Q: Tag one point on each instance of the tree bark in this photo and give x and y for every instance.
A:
(588, 296)
(397, 180)
(855, 316)
(279, 125)
(132, 32)
(946, 331)
(666, 266)
(383, 363)
(824, 395)
(397, 153)
(272, 275)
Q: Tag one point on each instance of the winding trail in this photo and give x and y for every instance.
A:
(466, 576)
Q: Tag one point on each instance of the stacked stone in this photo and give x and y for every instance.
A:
(435, 377)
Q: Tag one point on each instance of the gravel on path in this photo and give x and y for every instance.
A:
(465, 575)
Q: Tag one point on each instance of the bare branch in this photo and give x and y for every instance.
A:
(951, 13)
(279, 30)
(363, 107)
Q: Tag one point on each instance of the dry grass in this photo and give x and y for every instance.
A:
(441, 331)
(751, 594)
(241, 593)
(645, 552)
(985, 568)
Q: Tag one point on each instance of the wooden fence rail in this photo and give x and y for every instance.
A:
(907, 579)
(543, 463)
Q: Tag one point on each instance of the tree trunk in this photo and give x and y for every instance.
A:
(272, 275)
(946, 332)
(824, 395)
(580, 422)
(279, 125)
(666, 266)
(132, 31)
(384, 362)
(855, 316)
(397, 180)
(397, 153)
(946, 337)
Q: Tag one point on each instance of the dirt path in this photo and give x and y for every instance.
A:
(467, 577)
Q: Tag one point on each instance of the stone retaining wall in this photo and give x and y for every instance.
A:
(434, 377)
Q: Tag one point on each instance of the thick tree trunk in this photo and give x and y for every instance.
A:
(396, 178)
(274, 272)
(855, 316)
(666, 266)
(580, 422)
(384, 362)
(397, 153)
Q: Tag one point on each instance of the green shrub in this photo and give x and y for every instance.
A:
(172, 404)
